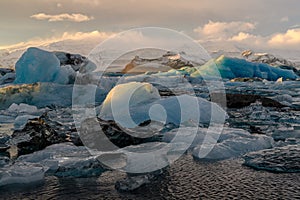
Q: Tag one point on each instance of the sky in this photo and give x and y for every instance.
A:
(255, 23)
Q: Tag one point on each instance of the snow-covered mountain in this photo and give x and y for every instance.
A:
(8, 57)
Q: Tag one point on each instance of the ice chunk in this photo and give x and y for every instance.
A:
(280, 159)
(21, 173)
(144, 158)
(22, 108)
(47, 94)
(132, 93)
(66, 75)
(233, 67)
(22, 120)
(232, 143)
(76, 61)
(37, 65)
(139, 160)
(124, 96)
(129, 109)
(230, 68)
(7, 78)
(169, 110)
(65, 159)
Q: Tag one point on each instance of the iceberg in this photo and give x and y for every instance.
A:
(230, 68)
(130, 94)
(47, 94)
(131, 104)
(21, 173)
(76, 61)
(210, 145)
(232, 143)
(37, 65)
(65, 159)
(143, 158)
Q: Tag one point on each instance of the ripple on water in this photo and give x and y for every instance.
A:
(186, 179)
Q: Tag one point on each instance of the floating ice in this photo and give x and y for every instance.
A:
(143, 158)
(65, 159)
(232, 143)
(280, 159)
(22, 120)
(135, 93)
(133, 103)
(48, 94)
(233, 67)
(21, 173)
(230, 68)
(22, 108)
(124, 96)
(37, 65)
(139, 160)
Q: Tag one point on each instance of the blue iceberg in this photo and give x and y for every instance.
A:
(230, 68)
(37, 65)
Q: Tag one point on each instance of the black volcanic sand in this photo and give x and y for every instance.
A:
(186, 179)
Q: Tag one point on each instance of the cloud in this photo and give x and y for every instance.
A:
(62, 17)
(223, 30)
(242, 33)
(290, 38)
(89, 38)
(242, 36)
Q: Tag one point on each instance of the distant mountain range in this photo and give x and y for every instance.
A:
(8, 57)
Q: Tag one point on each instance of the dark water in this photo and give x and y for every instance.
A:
(186, 179)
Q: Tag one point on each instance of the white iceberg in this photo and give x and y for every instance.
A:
(124, 96)
(232, 143)
(130, 104)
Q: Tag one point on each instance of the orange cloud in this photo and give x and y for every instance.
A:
(223, 30)
(62, 17)
(66, 36)
(291, 37)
